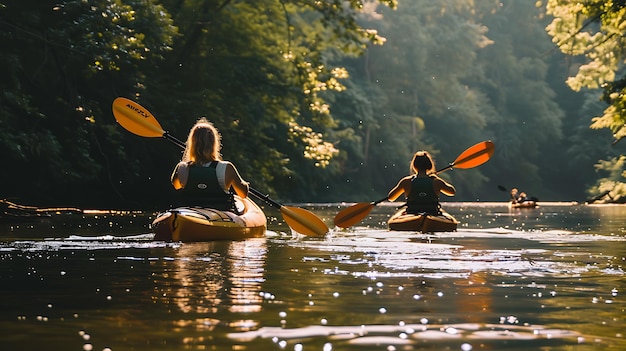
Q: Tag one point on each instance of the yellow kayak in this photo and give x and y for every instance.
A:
(190, 224)
(422, 222)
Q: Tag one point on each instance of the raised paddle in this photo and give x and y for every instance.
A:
(138, 120)
(474, 156)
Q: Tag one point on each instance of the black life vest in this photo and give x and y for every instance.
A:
(203, 189)
(423, 198)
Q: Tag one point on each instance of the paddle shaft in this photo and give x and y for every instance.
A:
(173, 139)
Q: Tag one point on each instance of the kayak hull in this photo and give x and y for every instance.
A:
(192, 224)
(425, 223)
(524, 204)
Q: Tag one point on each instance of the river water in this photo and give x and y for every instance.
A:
(550, 278)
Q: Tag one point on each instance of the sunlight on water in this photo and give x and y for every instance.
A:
(423, 255)
(75, 242)
(550, 278)
(411, 333)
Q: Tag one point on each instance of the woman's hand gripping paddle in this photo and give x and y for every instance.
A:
(474, 156)
(138, 120)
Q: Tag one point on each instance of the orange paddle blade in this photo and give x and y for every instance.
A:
(303, 221)
(475, 155)
(353, 214)
(136, 119)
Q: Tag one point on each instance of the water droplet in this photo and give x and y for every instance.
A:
(452, 331)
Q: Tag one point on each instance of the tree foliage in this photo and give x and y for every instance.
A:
(593, 31)
(60, 61)
(316, 100)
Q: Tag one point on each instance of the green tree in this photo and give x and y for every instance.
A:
(592, 31)
(59, 61)
(528, 129)
(264, 75)
(261, 72)
(413, 93)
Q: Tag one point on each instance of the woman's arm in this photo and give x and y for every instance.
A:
(444, 187)
(234, 180)
(180, 175)
(403, 187)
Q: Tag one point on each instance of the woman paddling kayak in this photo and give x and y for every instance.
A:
(214, 194)
(422, 212)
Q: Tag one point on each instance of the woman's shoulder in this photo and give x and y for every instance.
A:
(182, 164)
(407, 179)
(225, 164)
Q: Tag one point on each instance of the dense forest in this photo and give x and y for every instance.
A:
(316, 101)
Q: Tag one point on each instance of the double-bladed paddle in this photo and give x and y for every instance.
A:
(474, 156)
(138, 120)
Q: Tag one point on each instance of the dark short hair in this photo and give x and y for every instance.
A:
(422, 162)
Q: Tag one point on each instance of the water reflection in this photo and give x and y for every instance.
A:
(551, 278)
(210, 280)
(475, 299)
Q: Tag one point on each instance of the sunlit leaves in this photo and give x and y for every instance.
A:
(596, 30)
(317, 34)
(118, 32)
(613, 184)
(315, 147)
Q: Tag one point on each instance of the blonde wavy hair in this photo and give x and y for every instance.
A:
(203, 143)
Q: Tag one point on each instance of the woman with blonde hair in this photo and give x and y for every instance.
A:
(422, 187)
(202, 177)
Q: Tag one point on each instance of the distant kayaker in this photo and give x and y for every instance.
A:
(423, 187)
(518, 197)
(514, 195)
(202, 177)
